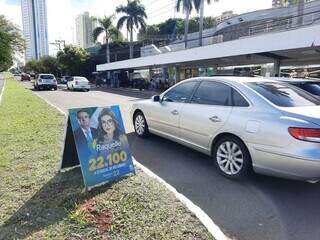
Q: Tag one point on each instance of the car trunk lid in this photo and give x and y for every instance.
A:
(308, 113)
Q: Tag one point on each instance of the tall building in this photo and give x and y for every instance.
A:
(282, 3)
(84, 30)
(35, 28)
(224, 16)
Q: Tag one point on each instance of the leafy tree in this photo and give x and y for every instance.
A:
(110, 32)
(45, 64)
(11, 43)
(32, 66)
(172, 27)
(6, 60)
(72, 60)
(134, 15)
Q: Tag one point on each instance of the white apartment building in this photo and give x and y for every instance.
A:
(35, 28)
(84, 30)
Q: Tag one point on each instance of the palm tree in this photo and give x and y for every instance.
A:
(134, 17)
(187, 7)
(110, 32)
(201, 18)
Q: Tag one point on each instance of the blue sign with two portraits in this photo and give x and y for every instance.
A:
(102, 145)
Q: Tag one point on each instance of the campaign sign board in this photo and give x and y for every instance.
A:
(101, 144)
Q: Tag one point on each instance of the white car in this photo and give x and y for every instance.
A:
(78, 83)
(245, 124)
(45, 81)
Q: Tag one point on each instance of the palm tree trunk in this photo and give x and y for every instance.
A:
(201, 22)
(131, 42)
(107, 50)
(186, 29)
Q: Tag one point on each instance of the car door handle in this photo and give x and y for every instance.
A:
(215, 119)
(175, 112)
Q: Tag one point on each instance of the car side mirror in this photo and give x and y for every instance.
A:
(156, 98)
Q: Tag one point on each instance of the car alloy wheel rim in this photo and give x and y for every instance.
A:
(140, 125)
(230, 158)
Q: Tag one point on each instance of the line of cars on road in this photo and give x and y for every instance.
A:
(269, 126)
(49, 81)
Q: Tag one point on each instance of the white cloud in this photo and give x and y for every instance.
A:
(11, 12)
(62, 13)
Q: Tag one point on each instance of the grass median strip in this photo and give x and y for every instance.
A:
(39, 203)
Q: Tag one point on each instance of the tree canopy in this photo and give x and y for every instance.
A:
(173, 27)
(72, 60)
(11, 43)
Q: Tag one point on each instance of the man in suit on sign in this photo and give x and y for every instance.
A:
(85, 134)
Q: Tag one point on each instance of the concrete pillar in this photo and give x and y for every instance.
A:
(215, 69)
(276, 68)
(150, 73)
(177, 76)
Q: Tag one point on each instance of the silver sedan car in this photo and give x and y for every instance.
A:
(245, 124)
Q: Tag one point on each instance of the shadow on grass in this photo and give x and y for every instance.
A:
(48, 206)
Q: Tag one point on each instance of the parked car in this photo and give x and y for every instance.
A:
(25, 77)
(78, 83)
(65, 79)
(45, 81)
(244, 123)
(310, 85)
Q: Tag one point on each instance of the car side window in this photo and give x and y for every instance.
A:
(213, 93)
(180, 93)
(238, 100)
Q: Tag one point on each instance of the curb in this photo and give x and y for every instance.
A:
(213, 229)
(200, 214)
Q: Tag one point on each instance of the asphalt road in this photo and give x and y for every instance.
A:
(259, 207)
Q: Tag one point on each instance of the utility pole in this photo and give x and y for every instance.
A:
(59, 44)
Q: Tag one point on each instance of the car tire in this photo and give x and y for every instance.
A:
(232, 157)
(140, 125)
(55, 88)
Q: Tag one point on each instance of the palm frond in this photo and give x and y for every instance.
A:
(96, 33)
(121, 21)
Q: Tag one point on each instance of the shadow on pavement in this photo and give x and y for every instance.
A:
(249, 208)
(48, 206)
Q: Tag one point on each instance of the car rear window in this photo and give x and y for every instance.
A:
(46, 76)
(311, 87)
(284, 95)
(80, 79)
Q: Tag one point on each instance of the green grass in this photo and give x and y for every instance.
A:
(37, 202)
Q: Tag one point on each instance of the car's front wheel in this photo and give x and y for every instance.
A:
(140, 125)
(232, 157)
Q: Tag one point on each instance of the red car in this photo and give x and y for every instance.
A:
(25, 77)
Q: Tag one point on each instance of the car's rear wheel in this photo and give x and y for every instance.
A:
(140, 125)
(232, 157)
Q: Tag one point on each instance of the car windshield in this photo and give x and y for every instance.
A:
(284, 95)
(311, 87)
(46, 76)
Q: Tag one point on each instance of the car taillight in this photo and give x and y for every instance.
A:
(77, 82)
(305, 134)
